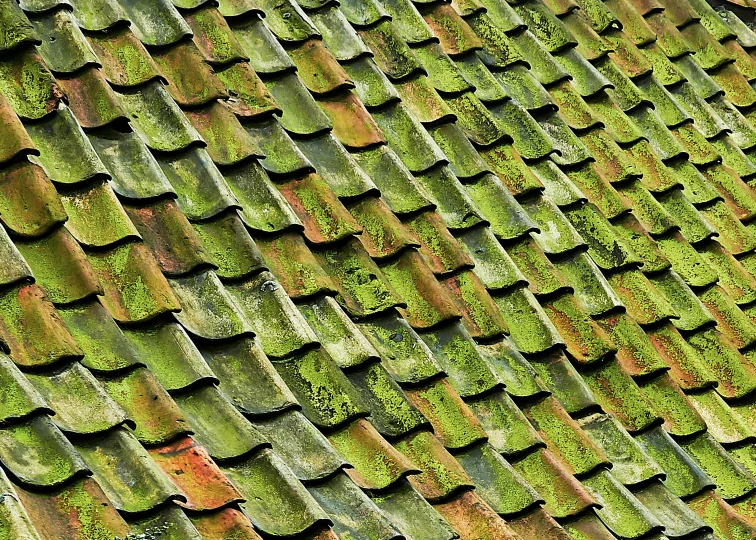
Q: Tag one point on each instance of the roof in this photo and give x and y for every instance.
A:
(377, 269)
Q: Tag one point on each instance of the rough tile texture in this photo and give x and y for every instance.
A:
(377, 269)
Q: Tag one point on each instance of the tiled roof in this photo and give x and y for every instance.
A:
(377, 269)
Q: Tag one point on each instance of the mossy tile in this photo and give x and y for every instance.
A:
(487, 88)
(647, 249)
(287, 21)
(227, 244)
(337, 167)
(545, 25)
(452, 420)
(352, 512)
(60, 266)
(404, 355)
(16, 141)
(455, 35)
(705, 119)
(497, 482)
(605, 247)
(362, 287)
(157, 23)
(513, 172)
(441, 250)
(80, 402)
(700, 151)
(155, 416)
(352, 124)
(263, 208)
(442, 71)
(218, 425)
(21, 398)
(466, 369)
(278, 324)
(407, 137)
(213, 37)
(662, 141)
(170, 236)
(408, 21)
(127, 474)
(377, 464)
(383, 234)
(411, 514)
(294, 265)
(630, 463)
(324, 217)
(337, 333)
(614, 164)
(569, 151)
(157, 118)
(224, 523)
(511, 368)
(560, 378)
(520, 85)
(208, 310)
(721, 517)
(474, 518)
(480, 316)
(170, 354)
(191, 81)
(588, 527)
(619, 395)
(493, 265)
(722, 422)
(390, 411)
(502, 51)
(509, 431)
(564, 437)
(555, 235)
(453, 202)
(736, 374)
(327, 397)
(693, 313)
(135, 174)
(79, 508)
(392, 54)
(32, 329)
(590, 287)
(631, 60)
(742, 130)
(531, 329)
(427, 303)
(423, 101)
(575, 111)
(17, 28)
(276, 502)
(742, 60)
(298, 442)
(124, 59)
(686, 367)
(370, 84)
(707, 51)
(734, 278)
(621, 511)
(266, 55)
(525, 45)
(543, 277)
(359, 14)
(557, 185)
(28, 85)
(686, 261)
(252, 97)
(733, 157)
(301, 115)
(590, 80)
(441, 474)
(508, 220)
(228, 143)
(399, 190)
(643, 302)
(38, 454)
(636, 353)
(338, 35)
(652, 215)
(564, 495)
(585, 340)
(616, 122)
(247, 378)
(91, 99)
(664, 103)
(732, 479)
(531, 140)
(170, 523)
(745, 456)
(731, 320)
(733, 235)
(64, 151)
(744, 409)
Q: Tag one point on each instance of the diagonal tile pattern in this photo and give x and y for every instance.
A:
(377, 269)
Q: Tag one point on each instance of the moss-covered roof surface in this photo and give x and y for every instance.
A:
(377, 269)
